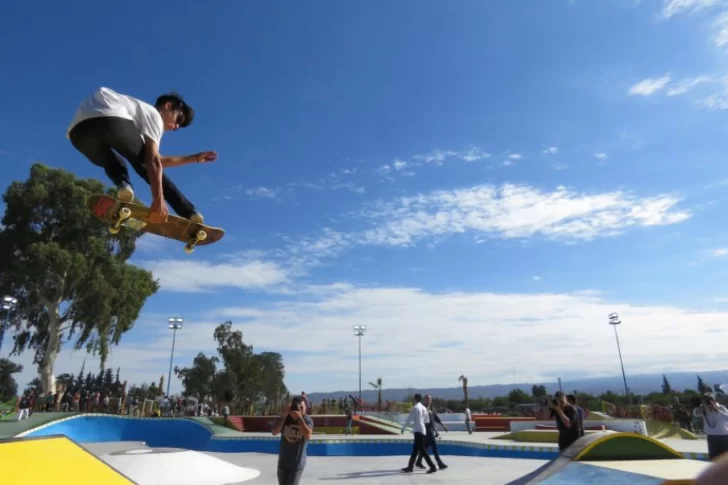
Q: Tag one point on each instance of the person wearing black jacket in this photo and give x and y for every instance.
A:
(430, 440)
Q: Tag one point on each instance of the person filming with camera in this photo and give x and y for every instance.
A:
(567, 420)
(715, 425)
(296, 429)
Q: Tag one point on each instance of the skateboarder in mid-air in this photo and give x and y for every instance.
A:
(108, 126)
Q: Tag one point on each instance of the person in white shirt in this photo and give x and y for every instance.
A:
(109, 125)
(468, 419)
(715, 425)
(418, 416)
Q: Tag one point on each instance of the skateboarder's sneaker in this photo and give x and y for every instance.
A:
(197, 217)
(125, 193)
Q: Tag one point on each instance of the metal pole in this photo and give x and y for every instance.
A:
(171, 359)
(360, 368)
(621, 363)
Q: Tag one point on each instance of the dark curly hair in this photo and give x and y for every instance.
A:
(178, 103)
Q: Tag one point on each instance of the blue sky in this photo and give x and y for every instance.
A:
(498, 176)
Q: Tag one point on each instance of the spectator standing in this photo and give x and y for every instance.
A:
(715, 425)
(567, 420)
(468, 419)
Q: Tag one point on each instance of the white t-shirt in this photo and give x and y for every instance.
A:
(418, 417)
(107, 102)
(716, 423)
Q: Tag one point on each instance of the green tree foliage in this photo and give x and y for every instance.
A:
(248, 380)
(70, 276)
(517, 396)
(8, 386)
(538, 391)
(666, 389)
(197, 381)
(702, 386)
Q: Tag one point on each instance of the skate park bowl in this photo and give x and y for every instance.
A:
(598, 458)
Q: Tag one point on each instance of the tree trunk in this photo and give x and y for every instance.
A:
(51, 352)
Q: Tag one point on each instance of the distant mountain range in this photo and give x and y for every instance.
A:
(638, 384)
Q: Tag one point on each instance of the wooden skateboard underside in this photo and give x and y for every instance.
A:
(134, 216)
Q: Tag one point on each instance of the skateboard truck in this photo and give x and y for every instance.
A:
(124, 214)
(200, 235)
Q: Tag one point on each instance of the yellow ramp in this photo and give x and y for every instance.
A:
(53, 460)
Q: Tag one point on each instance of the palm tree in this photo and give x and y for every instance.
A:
(378, 386)
(464, 380)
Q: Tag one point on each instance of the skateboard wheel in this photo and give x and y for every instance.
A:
(189, 249)
(201, 235)
(125, 212)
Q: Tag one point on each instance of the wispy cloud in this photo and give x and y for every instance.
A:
(551, 151)
(517, 211)
(196, 276)
(670, 8)
(600, 156)
(406, 167)
(720, 252)
(648, 87)
(687, 85)
(515, 156)
(262, 192)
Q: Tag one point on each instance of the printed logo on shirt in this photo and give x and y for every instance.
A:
(292, 433)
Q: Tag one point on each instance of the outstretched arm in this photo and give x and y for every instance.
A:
(177, 160)
(153, 161)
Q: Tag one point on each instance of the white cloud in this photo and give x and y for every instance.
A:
(559, 166)
(262, 192)
(498, 321)
(648, 87)
(720, 252)
(688, 84)
(508, 163)
(671, 8)
(600, 156)
(474, 154)
(399, 164)
(514, 211)
(436, 157)
(551, 150)
(515, 156)
(721, 30)
(195, 276)
(536, 278)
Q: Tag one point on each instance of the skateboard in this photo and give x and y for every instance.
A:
(118, 214)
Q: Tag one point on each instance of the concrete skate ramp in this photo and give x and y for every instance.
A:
(161, 466)
(609, 458)
(155, 432)
(53, 460)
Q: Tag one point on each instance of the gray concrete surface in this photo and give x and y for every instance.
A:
(385, 470)
(360, 470)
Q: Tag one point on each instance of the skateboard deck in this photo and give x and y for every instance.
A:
(118, 214)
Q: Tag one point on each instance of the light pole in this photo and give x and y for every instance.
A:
(359, 331)
(614, 321)
(175, 323)
(8, 304)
